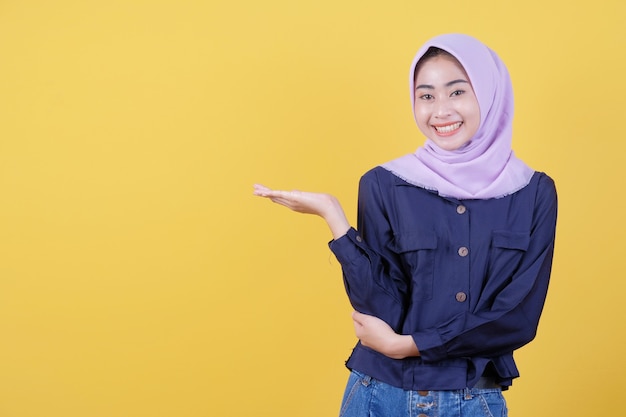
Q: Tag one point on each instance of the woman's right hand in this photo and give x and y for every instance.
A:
(300, 201)
(321, 204)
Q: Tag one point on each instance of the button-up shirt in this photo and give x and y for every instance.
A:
(467, 279)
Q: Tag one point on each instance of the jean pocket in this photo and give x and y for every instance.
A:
(355, 396)
(493, 404)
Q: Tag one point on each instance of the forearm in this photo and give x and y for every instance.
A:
(493, 332)
(379, 336)
(400, 347)
(335, 218)
(372, 288)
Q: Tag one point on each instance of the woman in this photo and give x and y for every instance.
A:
(449, 268)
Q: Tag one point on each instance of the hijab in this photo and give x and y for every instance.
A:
(486, 167)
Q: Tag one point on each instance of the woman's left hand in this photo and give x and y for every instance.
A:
(378, 335)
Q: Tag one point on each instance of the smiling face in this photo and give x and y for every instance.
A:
(446, 108)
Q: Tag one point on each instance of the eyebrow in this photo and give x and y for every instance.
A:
(448, 84)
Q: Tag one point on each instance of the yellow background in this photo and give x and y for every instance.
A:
(140, 277)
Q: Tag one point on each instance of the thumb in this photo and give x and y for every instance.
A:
(357, 317)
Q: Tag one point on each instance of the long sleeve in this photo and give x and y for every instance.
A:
(467, 279)
(374, 282)
(508, 310)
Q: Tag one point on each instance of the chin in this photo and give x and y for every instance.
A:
(447, 146)
(451, 146)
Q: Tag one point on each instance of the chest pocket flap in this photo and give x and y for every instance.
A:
(416, 252)
(507, 239)
(408, 242)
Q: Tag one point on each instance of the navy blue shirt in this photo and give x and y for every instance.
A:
(467, 279)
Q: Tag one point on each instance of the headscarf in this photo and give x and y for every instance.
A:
(486, 167)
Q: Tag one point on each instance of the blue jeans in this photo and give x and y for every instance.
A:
(367, 397)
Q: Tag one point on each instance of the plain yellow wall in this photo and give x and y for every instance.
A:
(140, 277)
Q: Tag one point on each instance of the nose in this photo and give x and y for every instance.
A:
(442, 108)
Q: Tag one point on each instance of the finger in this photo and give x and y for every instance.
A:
(281, 194)
(283, 202)
(288, 198)
(268, 192)
(261, 190)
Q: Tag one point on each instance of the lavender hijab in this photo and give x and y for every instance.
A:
(486, 167)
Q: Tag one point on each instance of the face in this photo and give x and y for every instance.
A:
(446, 108)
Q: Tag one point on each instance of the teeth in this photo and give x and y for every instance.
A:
(449, 128)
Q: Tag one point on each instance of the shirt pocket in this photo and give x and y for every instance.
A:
(417, 253)
(506, 253)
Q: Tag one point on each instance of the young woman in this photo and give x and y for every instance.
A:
(449, 266)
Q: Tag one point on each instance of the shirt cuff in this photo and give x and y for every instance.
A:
(348, 247)
(430, 345)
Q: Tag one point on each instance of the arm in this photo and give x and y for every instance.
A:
(499, 327)
(378, 335)
(373, 281)
(511, 319)
(373, 276)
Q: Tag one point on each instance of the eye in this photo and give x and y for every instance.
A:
(426, 96)
(457, 93)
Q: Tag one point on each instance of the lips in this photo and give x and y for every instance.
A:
(447, 129)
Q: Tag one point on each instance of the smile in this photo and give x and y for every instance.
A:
(448, 128)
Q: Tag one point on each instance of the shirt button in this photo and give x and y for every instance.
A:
(463, 251)
(460, 296)
(460, 209)
(359, 239)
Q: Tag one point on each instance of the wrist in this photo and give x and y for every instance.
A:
(402, 346)
(336, 219)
